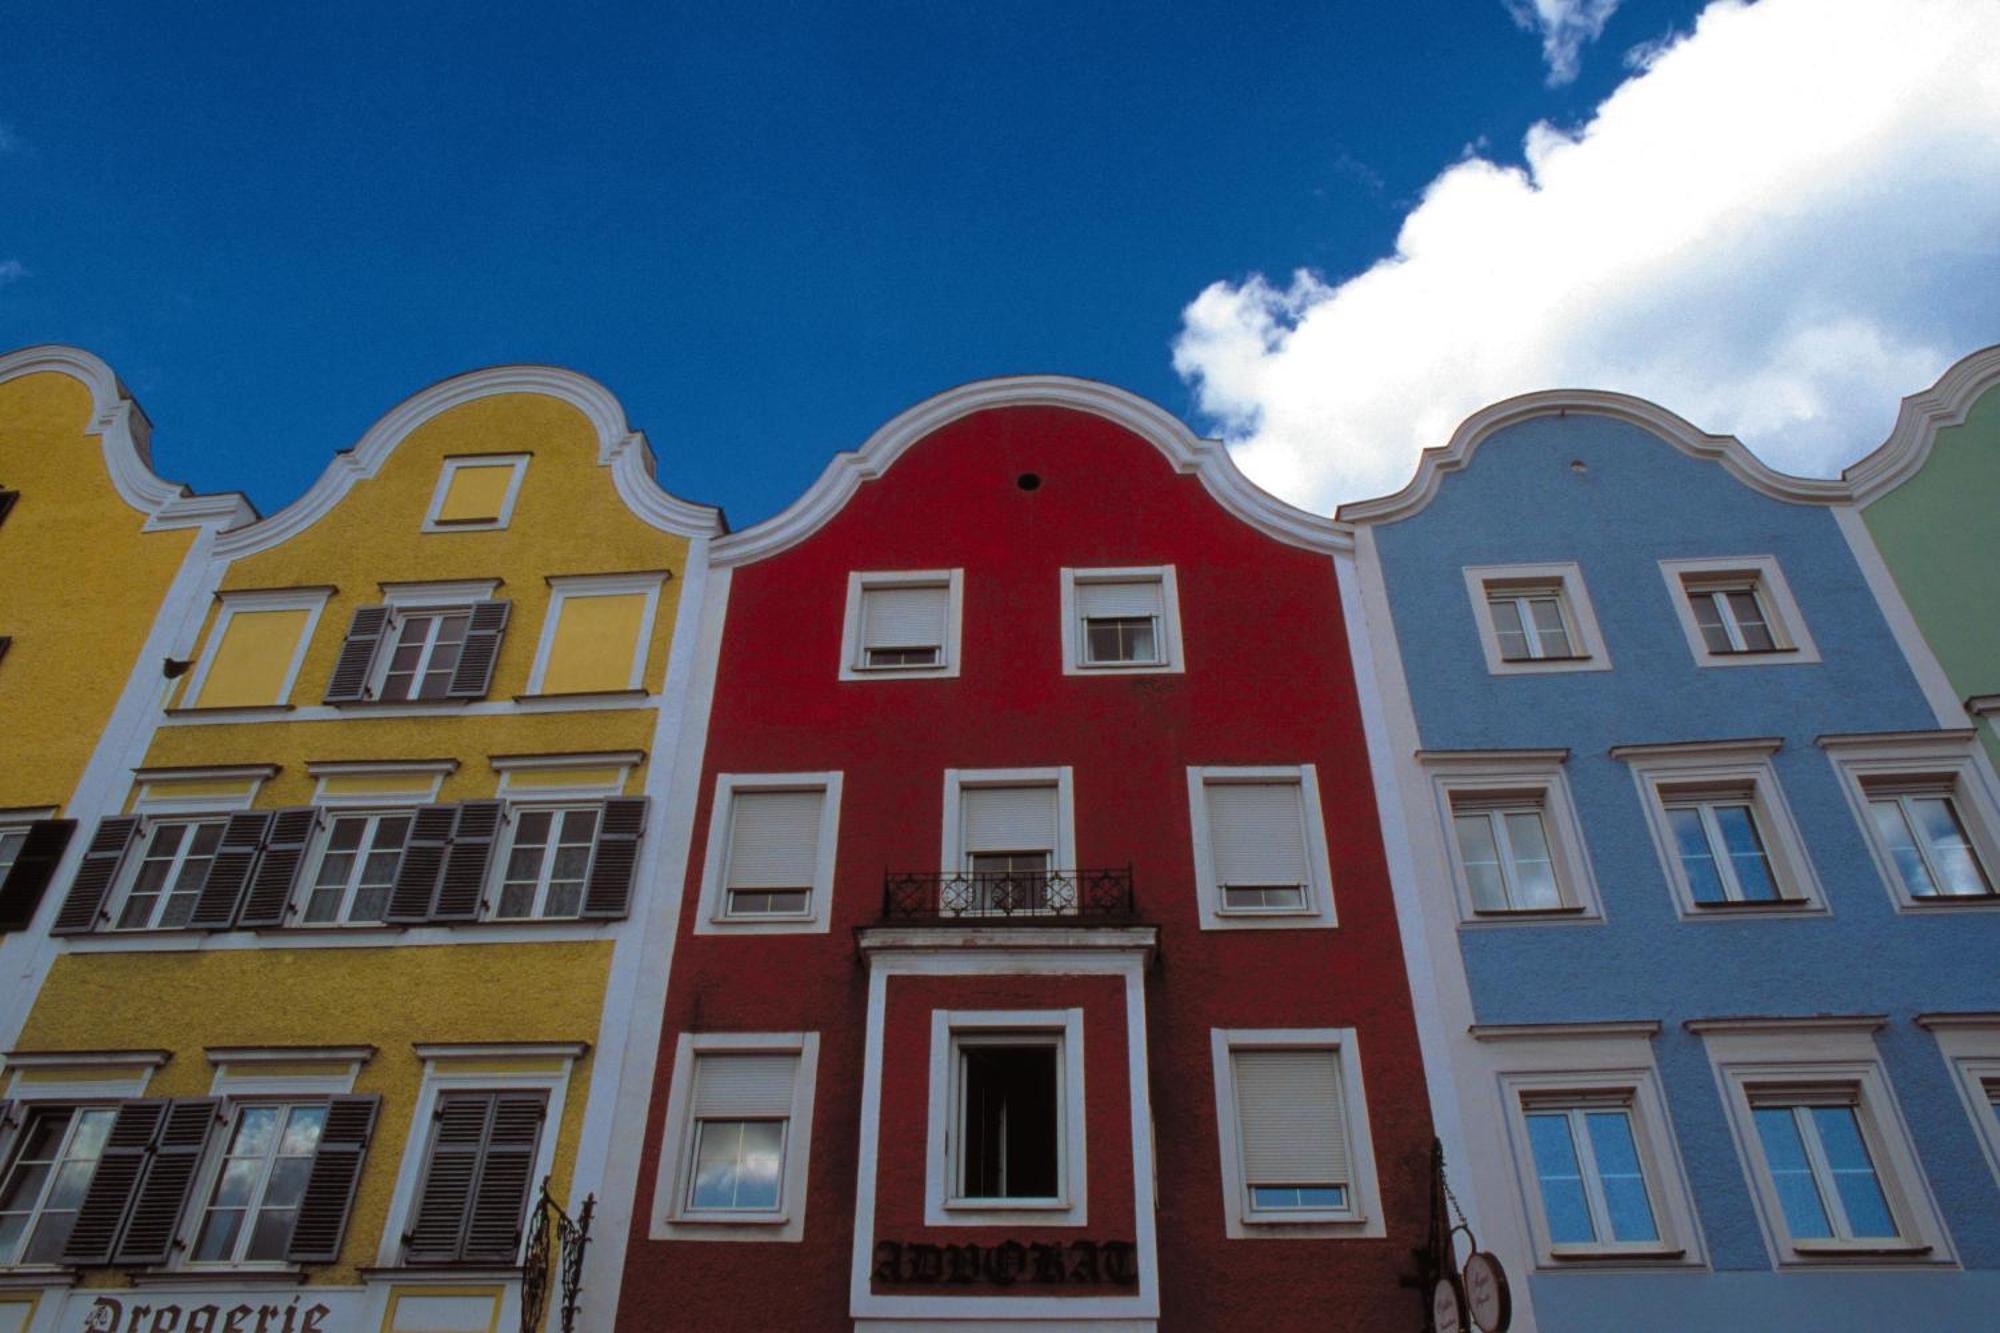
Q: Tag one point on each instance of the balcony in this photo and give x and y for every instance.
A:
(1009, 898)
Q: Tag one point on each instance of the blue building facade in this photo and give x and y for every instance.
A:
(1697, 872)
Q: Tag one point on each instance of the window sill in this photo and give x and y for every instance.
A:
(1833, 1251)
(276, 1275)
(221, 712)
(1303, 1218)
(727, 1220)
(1564, 1255)
(583, 699)
(393, 706)
(38, 1275)
(1783, 907)
(471, 1271)
(1945, 902)
(1563, 913)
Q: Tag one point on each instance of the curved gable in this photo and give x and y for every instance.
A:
(1923, 415)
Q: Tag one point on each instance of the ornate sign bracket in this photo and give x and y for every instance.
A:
(554, 1262)
(1459, 1297)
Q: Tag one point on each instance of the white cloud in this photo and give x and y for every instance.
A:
(11, 269)
(1566, 26)
(1777, 226)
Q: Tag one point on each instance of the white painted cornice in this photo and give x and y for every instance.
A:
(1188, 452)
(1940, 407)
(126, 438)
(1476, 429)
(619, 448)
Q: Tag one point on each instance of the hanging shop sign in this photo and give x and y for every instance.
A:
(207, 1311)
(1463, 1296)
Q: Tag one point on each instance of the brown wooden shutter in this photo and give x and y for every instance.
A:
(465, 862)
(423, 860)
(95, 876)
(229, 874)
(336, 1172)
(356, 663)
(458, 1140)
(500, 1198)
(269, 896)
(163, 1190)
(34, 865)
(115, 1182)
(607, 891)
(474, 674)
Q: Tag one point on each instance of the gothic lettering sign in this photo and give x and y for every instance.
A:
(209, 1312)
(1009, 1263)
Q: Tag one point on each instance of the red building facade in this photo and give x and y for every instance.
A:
(1035, 958)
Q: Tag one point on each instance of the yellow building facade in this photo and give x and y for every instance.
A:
(340, 974)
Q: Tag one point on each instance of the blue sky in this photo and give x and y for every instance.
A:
(769, 228)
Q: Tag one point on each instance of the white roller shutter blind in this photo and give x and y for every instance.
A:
(1139, 597)
(1291, 1118)
(744, 1086)
(1009, 819)
(903, 617)
(1256, 833)
(774, 839)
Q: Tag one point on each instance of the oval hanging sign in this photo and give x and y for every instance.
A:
(1487, 1299)
(1448, 1307)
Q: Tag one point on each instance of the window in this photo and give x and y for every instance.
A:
(548, 858)
(902, 623)
(423, 653)
(1006, 1118)
(739, 1130)
(12, 838)
(476, 492)
(1535, 618)
(1008, 833)
(427, 642)
(357, 868)
(1726, 838)
(166, 878)
(255, 648)
(1503, 846)
(597, 635)
(1121, 620)
(771, 847)
(260, 1182)
(1260, 847)
(1970, 1045)
(1737, 610)
(478, 1175)
(1588, 1172)
(1925, 803)
(45, 1183)
(1832, 1170)
(1296, 1159)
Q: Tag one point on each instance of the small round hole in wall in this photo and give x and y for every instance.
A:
(1029, 481)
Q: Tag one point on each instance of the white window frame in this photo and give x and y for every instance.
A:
(714, 917)
(1739, 771)
(671, 1218)
(1953, 762)
(135, 858)
(1317, 913)
(310, 600)
(951, 580)
(240, 1093)
(429, 599)
(562, 587)
(377, 809)
(952, 853)
(23, 1109)
(1781, 611)
(443, 1072)
(1766, 1059)
(1526, 779)
(503, 850)
(1363, 1215)
(12, 822)
(1970, 1045)
(519, 462)
(1564, 580)
(1061, 1028)
(1167, 634)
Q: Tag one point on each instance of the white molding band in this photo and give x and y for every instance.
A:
(1938, 408)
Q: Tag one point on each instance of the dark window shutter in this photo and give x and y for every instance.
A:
(270, 891)
(465, 862)
(356, 662)
(28, 878)
(163, 1191)
(444, 1203)
(336, 1172)
(500, 1199)
(607, 891)
(12, 1114)
(115, 1182)
(423, 859)
(95, 876)
(474, 674)
(229, 874)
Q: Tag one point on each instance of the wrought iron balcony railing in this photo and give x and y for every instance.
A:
(1017, 897)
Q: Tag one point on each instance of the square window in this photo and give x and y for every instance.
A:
(902, 623)
(476, 493)
(422, 648)
(1726, 837)
(259, 1182)
(598, 634)
(1260, 847)
(1738, 610)
(1587, 1168)
(1006, 1131)
(1925, 804)
(1293, 1123)
(1009, 843)
(254, 649)
(1535, 619)
(160, 886)
(1514, 842)
(547, 861)
(54, 1159)
(1121, 620)
(772, 843)
(738, 1137)
(359, 855)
